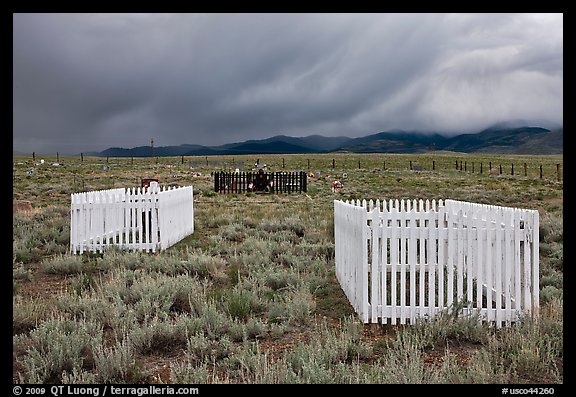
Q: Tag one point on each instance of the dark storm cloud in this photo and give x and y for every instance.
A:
(86, 82)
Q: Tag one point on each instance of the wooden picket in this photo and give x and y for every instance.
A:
(270, 182)
(135, 219)
(404, 260)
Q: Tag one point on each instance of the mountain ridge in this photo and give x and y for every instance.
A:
(500, 138)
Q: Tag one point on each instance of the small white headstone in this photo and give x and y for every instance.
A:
(154, 187)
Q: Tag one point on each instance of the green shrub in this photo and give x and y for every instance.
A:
(300, 306)
(281, 280)
(164, 337)
(81, 283)
(116, 363)
(203, 349)
(28, 313)
(529, 348)
(239, 304)
(60, 345)
(554, 279)
(65, 265)
(550, 292)
(551, 228)
(234, 232)
(19, 272)
(189, 373)
(403, 362)
(79, 377)
(449, 326)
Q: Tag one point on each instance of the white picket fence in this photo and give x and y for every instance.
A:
(400, 261)
(139, 219)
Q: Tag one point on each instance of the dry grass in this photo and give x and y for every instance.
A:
(251, 296)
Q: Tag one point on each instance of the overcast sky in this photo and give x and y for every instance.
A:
(87, 82)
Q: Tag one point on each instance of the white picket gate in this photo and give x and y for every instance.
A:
(400, 261)
(140, 219)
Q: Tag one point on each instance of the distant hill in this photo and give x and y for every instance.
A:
(539, 142)
(145, 151)
(274, 147)
(501, 138)
(308, 144)
(509, 140)
(396, 141)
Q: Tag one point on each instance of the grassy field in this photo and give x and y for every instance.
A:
(251, 296)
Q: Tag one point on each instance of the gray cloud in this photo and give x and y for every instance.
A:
(86, 82)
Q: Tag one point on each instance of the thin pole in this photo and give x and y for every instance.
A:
(540, 171)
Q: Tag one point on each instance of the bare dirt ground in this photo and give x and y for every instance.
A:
(41, 284)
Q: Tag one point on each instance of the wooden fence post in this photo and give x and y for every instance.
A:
(558, 172)
(480, 167)
(540, 171)
(282, 162)
(333, 164)
(410, 165)
(81, 157)
(500, 169)
(472, 167)
(512, 169)
(465, 166)
(308, 163)
(358, 164)
(384, 165)
(456, 164)
(525, 170)
(33, 156)
(433, 165)
(57, 157)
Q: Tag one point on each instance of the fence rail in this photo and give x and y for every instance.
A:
(143, 219)
(272, 182)
(400, 261)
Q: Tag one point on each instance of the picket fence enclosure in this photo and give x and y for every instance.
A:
(269, 182)
(139, 219)
(400, 261)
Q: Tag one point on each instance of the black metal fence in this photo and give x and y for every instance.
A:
(264, 182)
